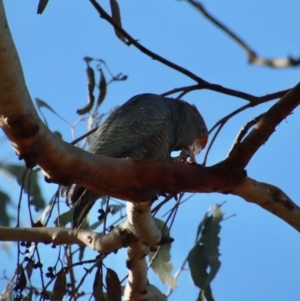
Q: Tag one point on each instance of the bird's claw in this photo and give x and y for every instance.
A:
(184, 156)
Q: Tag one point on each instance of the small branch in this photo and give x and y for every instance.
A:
(244, 131)
(185, 89)
(251, 54)
(132, 41)
(258, 101)
(201, 82)
(212, 142)
(58, 236)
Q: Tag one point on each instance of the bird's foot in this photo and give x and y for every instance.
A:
(184, 156)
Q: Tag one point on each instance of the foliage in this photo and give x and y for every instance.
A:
(61, 278)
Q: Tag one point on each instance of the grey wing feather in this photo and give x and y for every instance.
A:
(138, 129)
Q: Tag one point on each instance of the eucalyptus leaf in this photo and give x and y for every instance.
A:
(4, 216)
(161, 265)
(116, 16)
(102, 88)
(17, 171)
(42, 5)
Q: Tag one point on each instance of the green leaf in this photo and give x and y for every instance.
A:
(29, 268)
(91, 85)
(4, 201)
(203, 259)
(208, 294)
(98, 285)
(21, 278)
(113, 286)
(81, 252)
(64, 218)
(102, 87)
(211, 242)
(161, 265)
(60, 287)
(116, 16)
(17, 171)
(162, 226)
(200, 227)
(42, 5)
(200, 297)
(198, 266)
(42, 104)
(87, 59)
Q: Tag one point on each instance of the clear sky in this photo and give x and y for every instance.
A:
(260, 252)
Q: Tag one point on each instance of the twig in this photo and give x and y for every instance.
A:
(181, 89)
(251, 54)
(84, 136)
(259, 100)
(201, 82)
(245, 150)
(244, 131)
(222, 121)
(212, 141)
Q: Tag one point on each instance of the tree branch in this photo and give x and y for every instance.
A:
(243, 152)
(127, 179)
(58, 236)
(271, 199)
(201, 82)
(251, 54)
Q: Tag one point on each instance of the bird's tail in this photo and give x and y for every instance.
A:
(82, 199)
(81, 211)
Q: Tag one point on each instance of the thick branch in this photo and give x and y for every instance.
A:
(122, 178)
(243, 152)
(270, 198)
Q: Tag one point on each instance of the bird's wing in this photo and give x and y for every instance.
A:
(138, 129)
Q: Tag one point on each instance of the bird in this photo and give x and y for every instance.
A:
(146, 127)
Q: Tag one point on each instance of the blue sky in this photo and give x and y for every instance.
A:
(260, 253)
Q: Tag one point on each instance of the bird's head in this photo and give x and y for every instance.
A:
(199, 130)
(198, 144)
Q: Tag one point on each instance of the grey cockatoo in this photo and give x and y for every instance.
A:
(147, 127)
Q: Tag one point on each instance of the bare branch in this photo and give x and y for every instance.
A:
(271, 199)
(251, 54)
(243, 131)
(121, 178)
(127, 179)
(258, 101)
(58, 236)
(138, 286)
(201, 82)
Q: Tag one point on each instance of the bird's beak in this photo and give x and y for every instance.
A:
(195, 148)
(198, 145)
